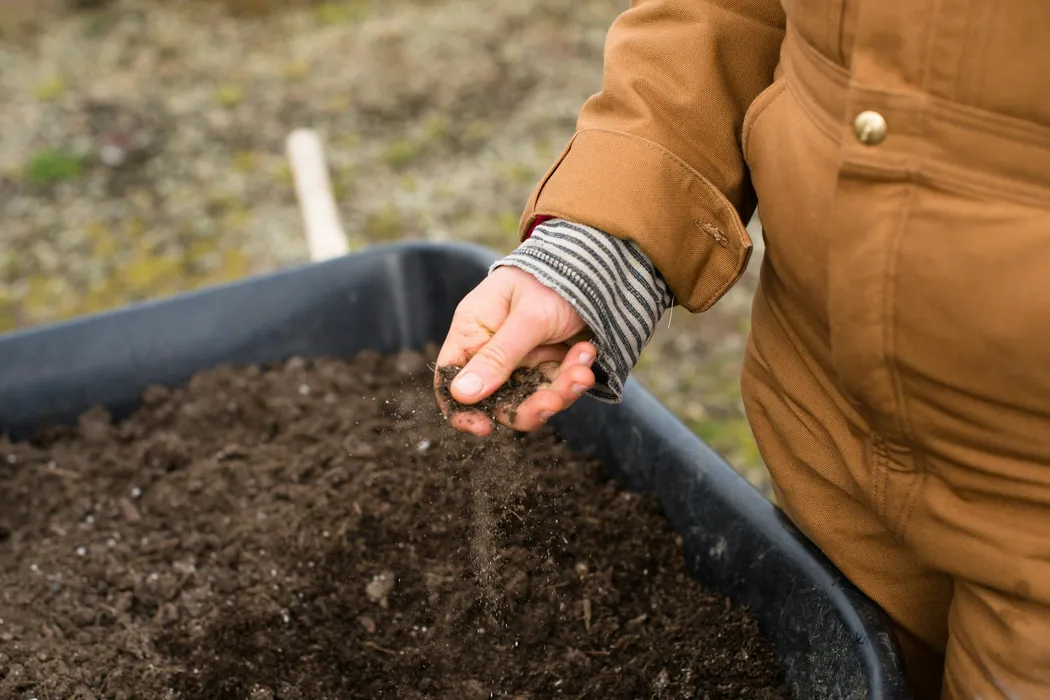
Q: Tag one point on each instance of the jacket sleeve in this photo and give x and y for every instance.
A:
(656, 157)
(611, 284)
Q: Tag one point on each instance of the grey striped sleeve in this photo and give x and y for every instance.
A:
(612, 285)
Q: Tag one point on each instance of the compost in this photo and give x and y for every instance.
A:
(521, 384)
(315, 529)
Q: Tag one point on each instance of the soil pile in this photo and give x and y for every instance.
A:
(307, 530)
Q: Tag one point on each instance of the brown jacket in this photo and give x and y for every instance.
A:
(659, 154)
(897, 375)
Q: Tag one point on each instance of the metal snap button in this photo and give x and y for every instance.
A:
(870, 128)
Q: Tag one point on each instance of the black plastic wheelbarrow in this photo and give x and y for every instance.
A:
(831, 641)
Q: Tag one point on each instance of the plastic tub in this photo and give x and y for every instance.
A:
(831, 641)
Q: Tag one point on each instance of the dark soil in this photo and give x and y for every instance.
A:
(522, 384)
(316, 530)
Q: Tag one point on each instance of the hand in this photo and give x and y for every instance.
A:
(507, 321)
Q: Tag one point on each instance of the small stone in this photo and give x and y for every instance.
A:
(367, 623)
(661, 681)
(289, 692)
(112, 155)
(167, 613)
(128, 509)
(259, 692)
(380, 587)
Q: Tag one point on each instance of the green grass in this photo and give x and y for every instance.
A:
(343, 12)
(54, 165)
(51, 89)
(402, 153)
(229, 95)
(385, 225)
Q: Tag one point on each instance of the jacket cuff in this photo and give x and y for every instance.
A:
(635, 190)
(611, 284)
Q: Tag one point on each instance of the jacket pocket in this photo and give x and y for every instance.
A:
(755, 111)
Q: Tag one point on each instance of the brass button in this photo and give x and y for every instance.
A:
(870, 128)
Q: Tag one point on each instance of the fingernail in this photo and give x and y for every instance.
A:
(468, 384)
(545, 416)
(585, 358)
(578, 389)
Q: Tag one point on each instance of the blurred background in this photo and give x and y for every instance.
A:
(142, 152)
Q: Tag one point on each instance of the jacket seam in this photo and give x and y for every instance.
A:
(769, 96)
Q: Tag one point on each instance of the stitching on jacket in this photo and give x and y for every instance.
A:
(889, 317)
(881, 469)
(758, 107)
(911, 500)
(713, 231)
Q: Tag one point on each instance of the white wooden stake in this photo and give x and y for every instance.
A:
(325, 237)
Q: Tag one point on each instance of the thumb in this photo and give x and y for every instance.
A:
(494, 362)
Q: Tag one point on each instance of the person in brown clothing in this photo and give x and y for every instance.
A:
(897, 376)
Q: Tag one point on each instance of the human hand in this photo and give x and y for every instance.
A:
(512, 320)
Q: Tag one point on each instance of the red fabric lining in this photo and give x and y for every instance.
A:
(539, 220)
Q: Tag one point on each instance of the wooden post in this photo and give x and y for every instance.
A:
(325, 237)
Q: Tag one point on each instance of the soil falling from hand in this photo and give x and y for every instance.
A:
(493, 477)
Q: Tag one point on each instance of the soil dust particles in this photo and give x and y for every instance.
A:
(307, 530)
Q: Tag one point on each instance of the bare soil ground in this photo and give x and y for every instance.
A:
(313, 530)
(141, 151)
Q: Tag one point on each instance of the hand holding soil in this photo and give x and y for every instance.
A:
(511, 328)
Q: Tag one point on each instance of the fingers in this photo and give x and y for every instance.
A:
(478, 423)
(472, 422)
(573, 379)
(494, 361)
(569, 381)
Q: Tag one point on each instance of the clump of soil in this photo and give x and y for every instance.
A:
(307, 530)
(523, 383)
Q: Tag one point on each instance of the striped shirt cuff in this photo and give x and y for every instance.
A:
(610, 282)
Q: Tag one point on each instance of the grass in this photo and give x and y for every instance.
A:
(343, 12)
(51, 89)
(229, 95)
(402, 152)
(54, 165)
(387, 224)
(245, 161)
(430, 133)
(134, 268)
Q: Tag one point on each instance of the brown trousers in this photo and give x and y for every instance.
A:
(898, 382)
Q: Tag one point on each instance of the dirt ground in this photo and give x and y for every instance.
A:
(141, 151)
(315, 530)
